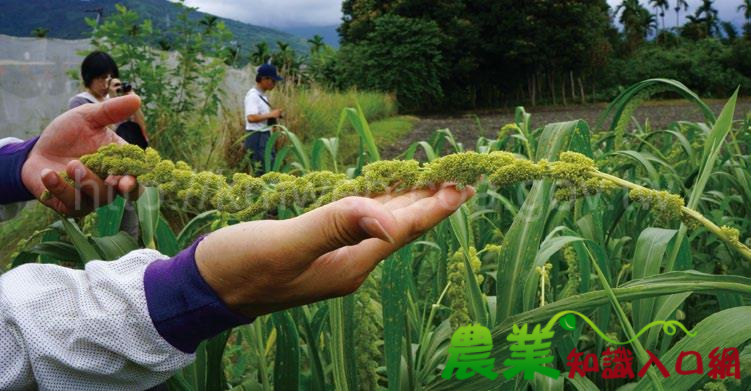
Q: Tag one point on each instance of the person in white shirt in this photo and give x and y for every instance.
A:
(129, 324)
(260, 116)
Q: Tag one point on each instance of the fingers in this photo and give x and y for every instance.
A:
(94, 190)
(111, 111)
(341, 223)
(63, 196)
(411, 221)
(88, 190)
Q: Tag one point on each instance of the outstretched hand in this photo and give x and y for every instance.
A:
(264, 266)
(71, 135)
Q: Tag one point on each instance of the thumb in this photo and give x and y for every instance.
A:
(111, 111)
(342, 223)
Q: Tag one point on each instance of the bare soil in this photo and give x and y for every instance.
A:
(467, 127)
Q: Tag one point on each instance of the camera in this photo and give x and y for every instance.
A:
(124, 88)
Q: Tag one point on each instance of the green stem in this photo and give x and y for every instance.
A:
(641, 353)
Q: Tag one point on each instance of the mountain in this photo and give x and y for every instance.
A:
(65, 19)
(329, 34)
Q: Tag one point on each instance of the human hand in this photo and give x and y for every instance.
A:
(276, 113)
(264, 266)
(73, 134)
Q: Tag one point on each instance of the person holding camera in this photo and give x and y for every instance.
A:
(260, 117)
(100, 79)
(97, 71)
(132, 130)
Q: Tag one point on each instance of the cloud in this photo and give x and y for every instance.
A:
(275, 13)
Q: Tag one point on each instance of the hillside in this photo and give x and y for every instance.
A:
(65, 19)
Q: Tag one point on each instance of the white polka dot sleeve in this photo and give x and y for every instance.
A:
(82, 329)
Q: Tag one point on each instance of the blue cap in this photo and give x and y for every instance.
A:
(268, 70)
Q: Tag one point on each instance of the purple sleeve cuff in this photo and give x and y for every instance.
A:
(12, 158)
(184, 308)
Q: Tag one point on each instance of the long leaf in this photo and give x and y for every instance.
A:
(148, 215)
(287, 364)
(84, 248)
(712, 148)
(115, 246)
(109, 217)
(724, 329)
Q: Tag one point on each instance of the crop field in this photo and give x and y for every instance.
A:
(625, 224)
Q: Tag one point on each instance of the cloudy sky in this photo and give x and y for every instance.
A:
(303, 13)
(275, 13)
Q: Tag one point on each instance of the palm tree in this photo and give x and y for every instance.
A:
(678, 5)
(40, 32)
(209, 21)
(745, 7)
(316, 43)
(660, 7)
(637, 22)
(260, 54)
(709, 15)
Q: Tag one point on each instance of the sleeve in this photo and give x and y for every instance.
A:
(13, 153)
(118, 325)
(251, 105)
(77, 101)
(7, 212)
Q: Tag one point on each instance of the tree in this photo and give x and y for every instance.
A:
(745, 7)
(708, 14)
(40, 32)
(209, 22)
(637, 22)
(260, 54)
(316, 43)
(678, 5)
(401, 55)
(660, 7)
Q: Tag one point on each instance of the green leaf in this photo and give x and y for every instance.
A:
(724, 329)
(463, 232)
(712, 147)
(115, 246)
(624, 105)
(109, 217)
(648, 256)
(357, 119)
(56, 251)
(148, 215)
(84, 248)
(396, 272)
(287, 364)
(194, 227)
(165, 238)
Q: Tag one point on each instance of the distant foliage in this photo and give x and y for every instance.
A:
(401, 55)
(508, 52)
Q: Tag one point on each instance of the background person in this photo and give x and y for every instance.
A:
(97, 71)
(259, 116)
(133, 322)
(132, 130)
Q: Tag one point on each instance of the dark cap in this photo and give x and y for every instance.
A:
(268, 70)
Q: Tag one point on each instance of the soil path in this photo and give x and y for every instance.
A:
(467, 127)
